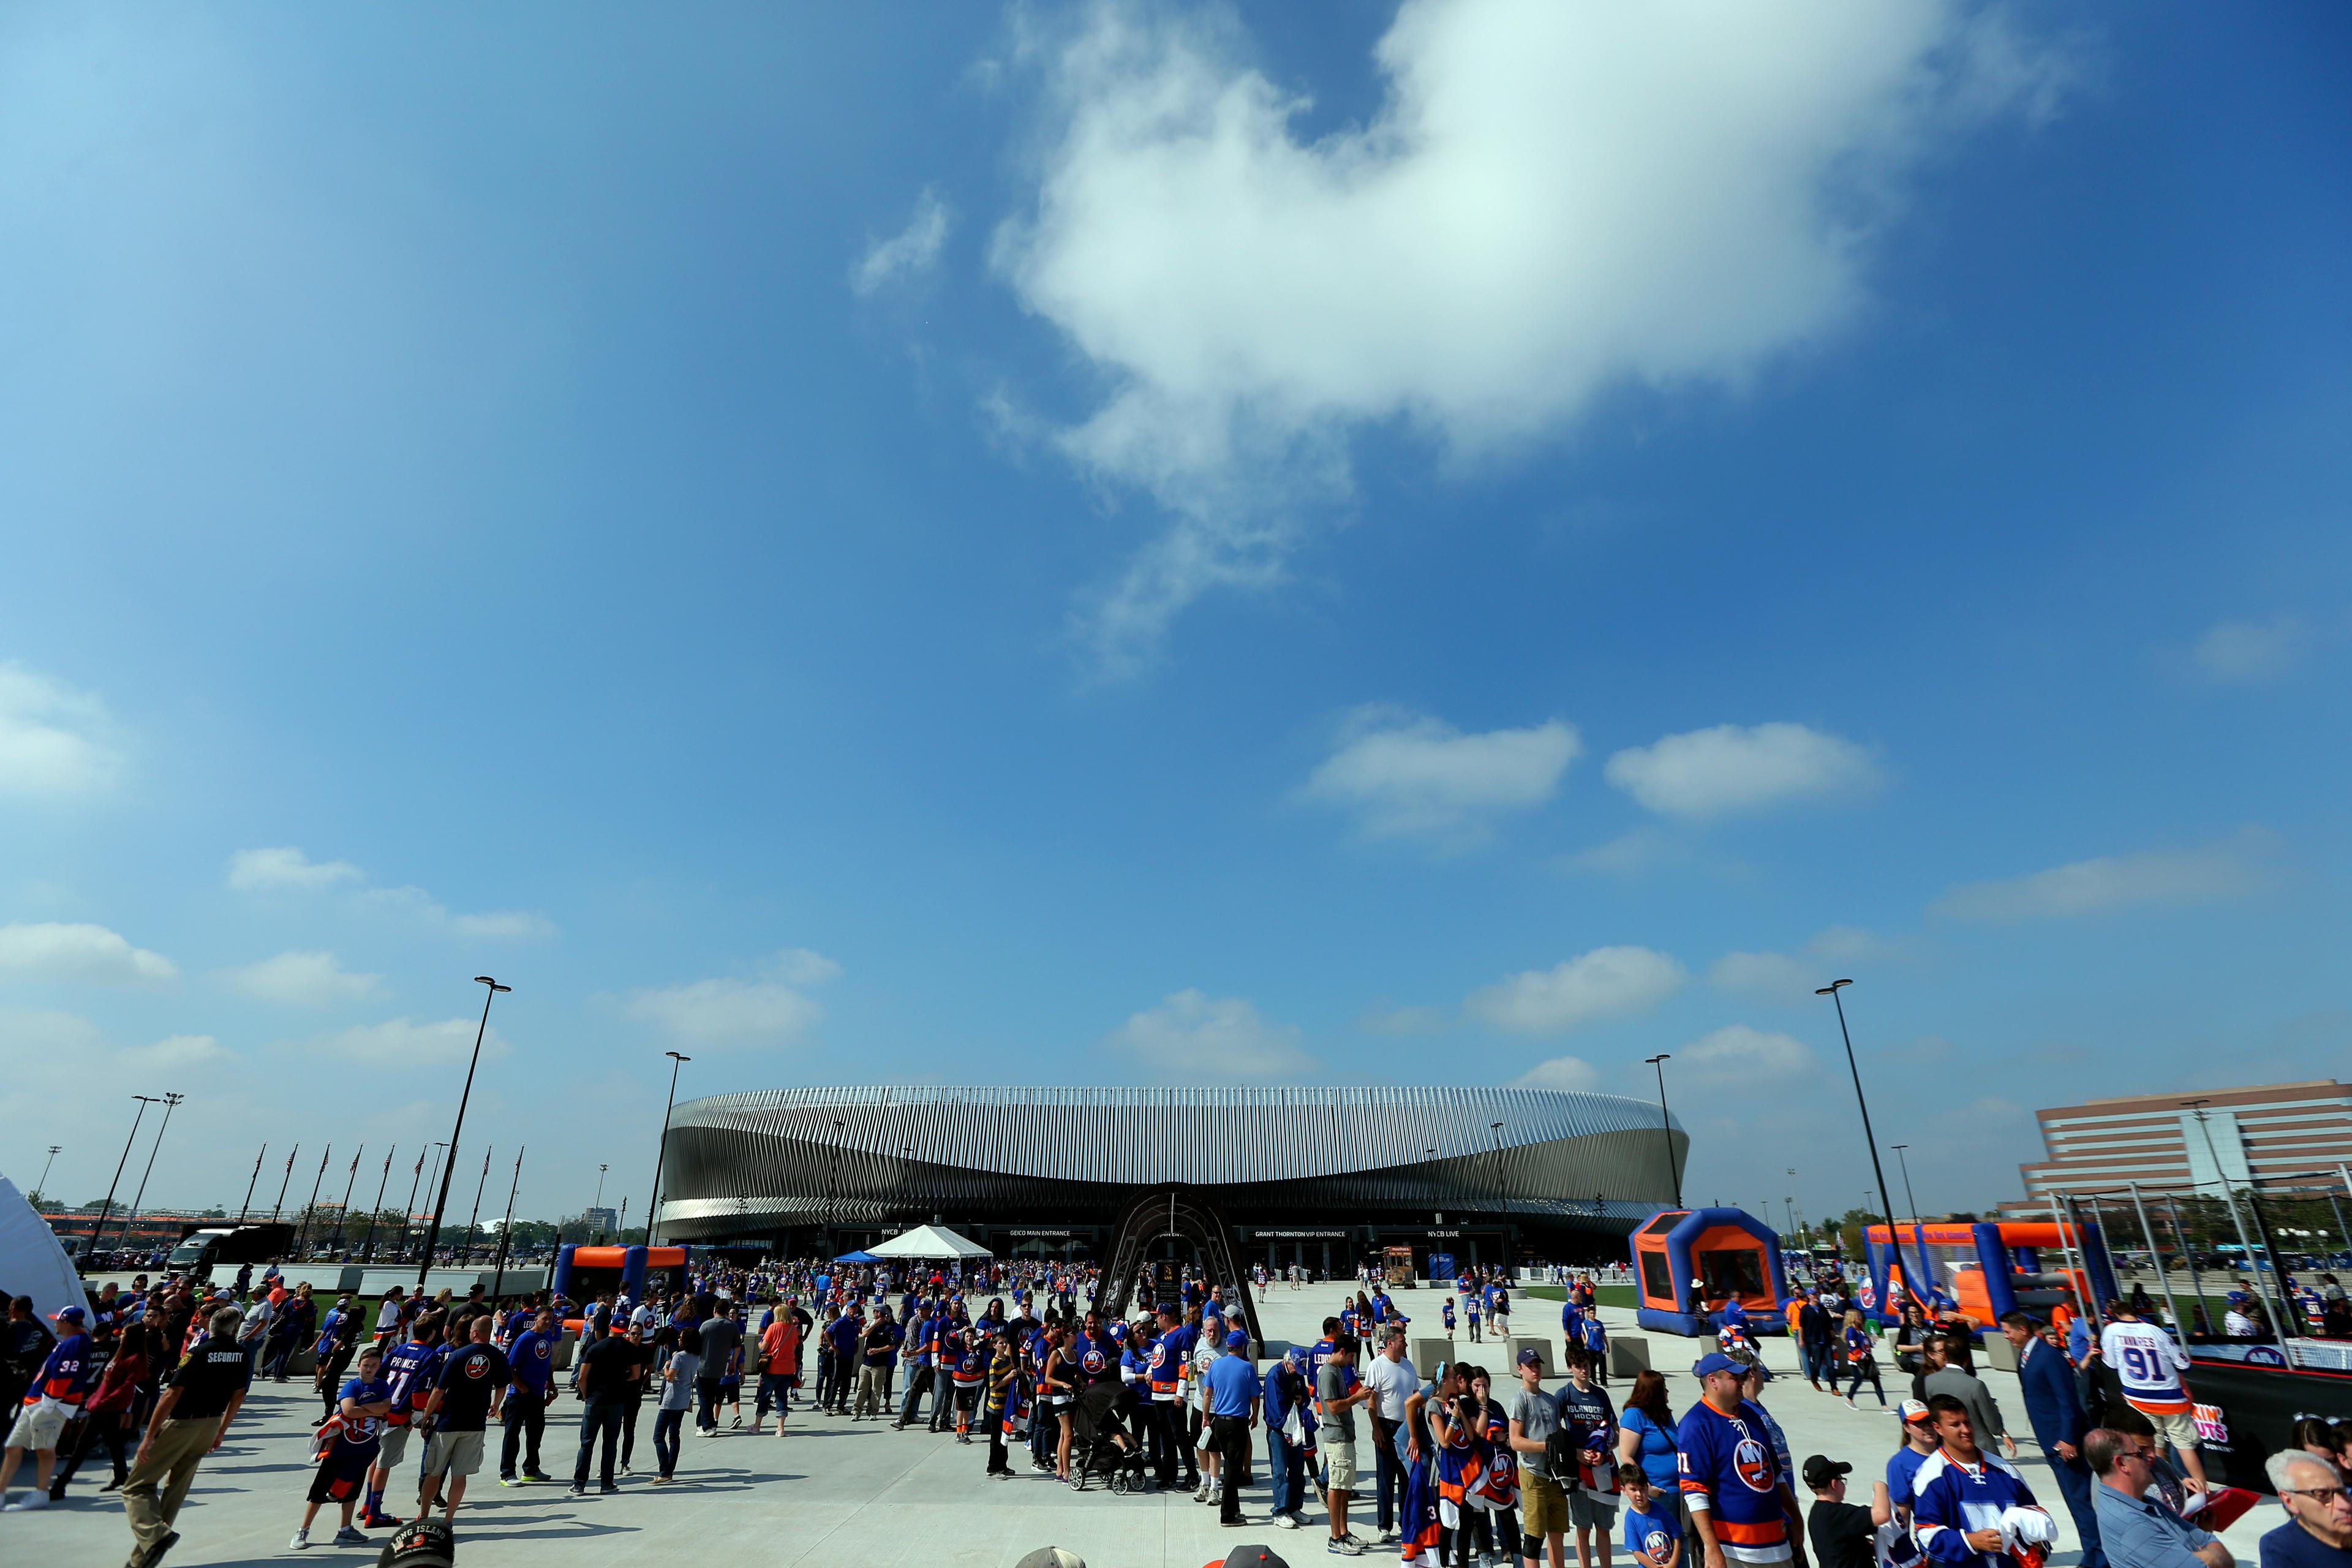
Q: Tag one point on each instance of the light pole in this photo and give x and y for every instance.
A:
(106, 1208)
(599, 1190)
(1665, 1123)
(433, 1230)
(653, 1210)
(170, 1102)
(1918, 1245)
(42, 1189)
(1876, 1168)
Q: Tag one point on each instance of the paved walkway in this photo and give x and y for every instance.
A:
(835, 1493)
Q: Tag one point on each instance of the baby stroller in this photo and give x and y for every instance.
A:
(1101, 1442)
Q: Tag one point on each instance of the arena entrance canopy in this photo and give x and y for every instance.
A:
(927, 1241)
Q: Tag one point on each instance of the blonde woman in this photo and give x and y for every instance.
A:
(1858, 1359)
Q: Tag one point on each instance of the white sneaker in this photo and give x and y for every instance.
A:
(1285, 1520)
(34, 1502)
(301, 1539)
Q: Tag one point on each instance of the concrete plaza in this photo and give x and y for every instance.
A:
(835, 1492)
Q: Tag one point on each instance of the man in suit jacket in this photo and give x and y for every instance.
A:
(2057, 1418)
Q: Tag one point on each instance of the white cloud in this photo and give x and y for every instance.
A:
(913, 249)
(1607, 982)
(1766, 976)
(1636, 851)
(726, 1011)
(1402, 774)
(1731, 768)
(1737, 1054)
(1572, 1073)
(1193, 1038)
(1547, 202)
(302, 979)
(2242, 653)
(285, 870)
(2147, 876)
(50, 951)
(53, 738)
(399, 1043)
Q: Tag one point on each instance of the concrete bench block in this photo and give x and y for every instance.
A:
(1629, 1355)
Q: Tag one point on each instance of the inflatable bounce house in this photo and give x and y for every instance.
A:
(1985, 1270)
(1687, 1264)
(584, 1273)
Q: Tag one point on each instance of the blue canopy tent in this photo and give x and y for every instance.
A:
(858, 1258)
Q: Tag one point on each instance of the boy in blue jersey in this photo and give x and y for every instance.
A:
(410, 1373)
(1446, 1313)
(531, 1364)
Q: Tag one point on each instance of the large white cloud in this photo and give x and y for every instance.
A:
(1194, 1037)
(53, 738)
(53, 950)
(1550, 199)
(1572, 1073)
(1401, 774)
(399, 1043)
(1740, 1054)
(1607, 982)
(2147, 876)
(1732, 768)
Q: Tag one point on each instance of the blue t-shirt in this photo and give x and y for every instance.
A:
(1900, 1471)
(1230, 1382)
(2291, 1546)
(531, 1360)
(1654, 1532)
(1657, 1451)
(361, 1432)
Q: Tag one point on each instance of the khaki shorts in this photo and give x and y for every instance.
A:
(393, 1444)
(1339, 1464)
(2178, 1428)
(453, 1454)
(37, 1426)
(1543, 1507)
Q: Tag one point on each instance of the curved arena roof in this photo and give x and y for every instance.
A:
(741, 1163)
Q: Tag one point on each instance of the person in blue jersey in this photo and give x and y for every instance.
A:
(1231, 1393)
(1902, 1467)
(1287, 1394)
(1968, 1507)
(1474, 1312)
(1445, 1315)
(1594, 1337)
(1741, 1510)
(411, 1369)
(921, 1350)
(331, 1355)
(347, 1449)
(530, 1369)
(1163, 1379)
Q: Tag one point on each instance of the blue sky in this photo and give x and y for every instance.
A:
(1167, 545)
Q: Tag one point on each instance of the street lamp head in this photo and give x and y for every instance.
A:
(486, 980)
(675, 1058)
(1660, 1056)
(1831, 988)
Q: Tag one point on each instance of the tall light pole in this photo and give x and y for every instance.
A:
(1665, 1123)
(42, 1188)
(653, 1205)
(1877, 1167)
(433, 1230)
(106, 1208)
(1912, 1204)
(600, 1186)
(170, 1102)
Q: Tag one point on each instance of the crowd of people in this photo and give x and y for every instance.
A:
(1471, 1462)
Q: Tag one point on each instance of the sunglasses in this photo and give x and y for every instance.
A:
(2326, 1495)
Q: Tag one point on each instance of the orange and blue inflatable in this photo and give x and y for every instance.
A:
(1985, 1270)
(1688, 1263)
(584, 1273)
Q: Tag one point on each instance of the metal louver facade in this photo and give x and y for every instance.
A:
(784, 1162)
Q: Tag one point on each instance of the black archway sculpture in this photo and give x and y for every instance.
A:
(1181, 1212)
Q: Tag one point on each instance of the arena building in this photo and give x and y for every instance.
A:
(1321, 1176)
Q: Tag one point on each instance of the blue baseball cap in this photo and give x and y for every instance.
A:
(68, 1315)
(1715, 1362)
(1237, 1340)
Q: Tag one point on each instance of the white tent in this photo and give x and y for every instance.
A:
(31, 1261)
(927, 1241)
